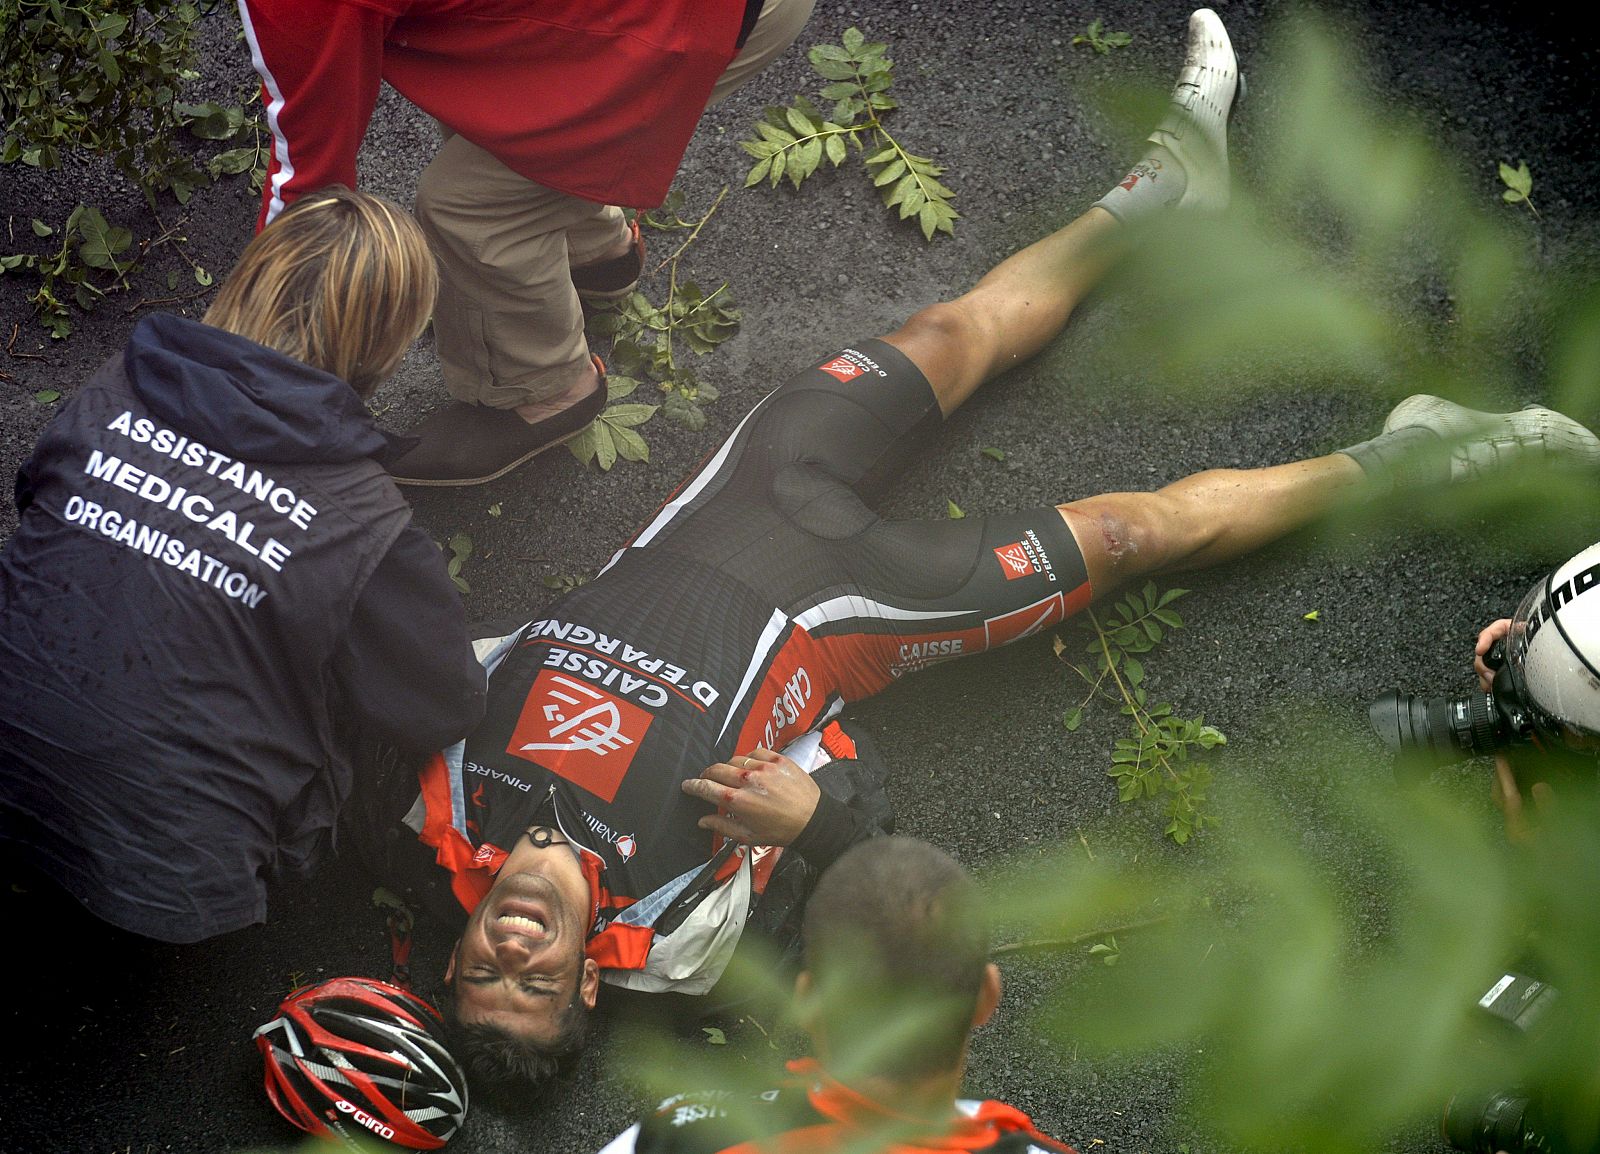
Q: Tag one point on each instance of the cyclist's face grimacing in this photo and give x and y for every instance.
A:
(520, 961)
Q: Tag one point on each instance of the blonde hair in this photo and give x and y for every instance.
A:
(341, 280)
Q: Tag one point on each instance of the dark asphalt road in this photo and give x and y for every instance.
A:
(117, 1045)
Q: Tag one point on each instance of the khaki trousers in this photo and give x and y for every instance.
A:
(508, 325)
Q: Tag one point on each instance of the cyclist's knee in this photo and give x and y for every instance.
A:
(1121, 535)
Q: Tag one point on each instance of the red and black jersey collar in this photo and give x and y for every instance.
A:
(838, 1102)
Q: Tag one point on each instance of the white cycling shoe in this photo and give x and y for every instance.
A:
(1195, 128)
(1482, 443)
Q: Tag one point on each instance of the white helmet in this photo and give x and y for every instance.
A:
(1553, 654)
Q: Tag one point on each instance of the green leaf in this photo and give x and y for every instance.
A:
(835, 149)
(201, 276)
(834, 69)
(953, 510)
(895, 170)
(630, 445)
(605, 446)
(618, 386)
(1072, 719)
(714, 1036)
(628, 415)
(992, 453)
(1133, 670)
(494, 510)
(773, 133)
(683, 412)
(1314, 615)
(232, 162)
(99, 243)
(460, 547)
(1518, 179)
(40, 228)
(50, 397)
(585, 446)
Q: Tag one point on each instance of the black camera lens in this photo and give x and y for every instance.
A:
(1493, 1121)
(1448, 728)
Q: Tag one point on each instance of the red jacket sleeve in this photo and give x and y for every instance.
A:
(320, 62)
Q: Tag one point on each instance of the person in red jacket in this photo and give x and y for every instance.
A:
(897, 976)
(554, 114)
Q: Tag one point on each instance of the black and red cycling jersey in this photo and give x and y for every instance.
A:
(814, 1114)
(763, 596)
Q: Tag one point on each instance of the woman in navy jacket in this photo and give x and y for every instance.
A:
(214, 586)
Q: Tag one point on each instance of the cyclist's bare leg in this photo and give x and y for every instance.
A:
(1011, 313)
(1204, 519)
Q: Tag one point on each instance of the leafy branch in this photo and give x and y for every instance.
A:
(1155, 756)
(88, 263)
(793, 141)
(648, 343)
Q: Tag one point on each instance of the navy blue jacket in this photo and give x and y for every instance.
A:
(213, 590)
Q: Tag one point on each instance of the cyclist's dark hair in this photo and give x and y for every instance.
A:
(497, 1061)
(896, 944)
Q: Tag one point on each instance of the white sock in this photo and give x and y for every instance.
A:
(1153, 185)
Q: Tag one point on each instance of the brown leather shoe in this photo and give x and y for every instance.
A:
(613, 278)
(464, 444)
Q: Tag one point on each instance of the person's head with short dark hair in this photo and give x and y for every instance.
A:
(520, 983)
(498, 1060)
(897, 969)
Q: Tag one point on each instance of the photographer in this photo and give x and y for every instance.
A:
(1538, 701)
(1537, 710)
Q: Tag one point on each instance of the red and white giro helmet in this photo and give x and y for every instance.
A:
(359, 1059)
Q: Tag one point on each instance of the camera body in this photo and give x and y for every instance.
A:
(1504, 1120)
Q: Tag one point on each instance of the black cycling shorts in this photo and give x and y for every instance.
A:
(783, 507)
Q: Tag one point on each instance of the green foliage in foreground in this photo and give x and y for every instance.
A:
(1365, 261)
(1312, 1031)
(794, 141)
